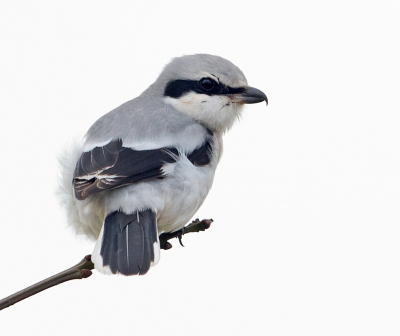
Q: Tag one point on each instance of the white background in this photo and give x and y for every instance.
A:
(305, 200)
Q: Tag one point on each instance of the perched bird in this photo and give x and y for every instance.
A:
(146, 167)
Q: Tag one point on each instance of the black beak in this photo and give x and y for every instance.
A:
(249, 95)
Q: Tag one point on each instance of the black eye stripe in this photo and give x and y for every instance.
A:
(179, 87)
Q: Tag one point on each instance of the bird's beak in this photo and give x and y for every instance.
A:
(250, 95)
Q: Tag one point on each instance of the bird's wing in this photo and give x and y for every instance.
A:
(113, 166)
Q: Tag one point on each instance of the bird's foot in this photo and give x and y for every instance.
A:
(179, 235)
(165, 245)
(195, 226)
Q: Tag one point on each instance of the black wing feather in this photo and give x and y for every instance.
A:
(201, 156)
(113, 166)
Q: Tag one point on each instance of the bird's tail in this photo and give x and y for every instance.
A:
(128, 243)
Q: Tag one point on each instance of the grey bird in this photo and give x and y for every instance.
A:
(146, 167)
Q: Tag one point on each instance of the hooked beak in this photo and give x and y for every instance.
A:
(249, 95)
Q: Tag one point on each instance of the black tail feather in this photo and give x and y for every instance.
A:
(128, 242)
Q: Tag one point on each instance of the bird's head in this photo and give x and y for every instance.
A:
(208, 88)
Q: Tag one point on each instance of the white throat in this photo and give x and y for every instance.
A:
(217, 112)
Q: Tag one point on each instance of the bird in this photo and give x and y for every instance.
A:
(146, 167)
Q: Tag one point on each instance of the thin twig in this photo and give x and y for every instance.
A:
(83, 269)
(79, 271)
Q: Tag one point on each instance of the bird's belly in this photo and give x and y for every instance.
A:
(184, 191)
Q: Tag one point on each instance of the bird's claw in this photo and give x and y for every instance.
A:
(180, 234)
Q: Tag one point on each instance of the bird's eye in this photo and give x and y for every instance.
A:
(207, 83)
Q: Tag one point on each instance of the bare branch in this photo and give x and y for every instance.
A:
(79, 271)
(83, 269)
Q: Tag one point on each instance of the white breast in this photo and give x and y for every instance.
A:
(184, 192)
(185, 189)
